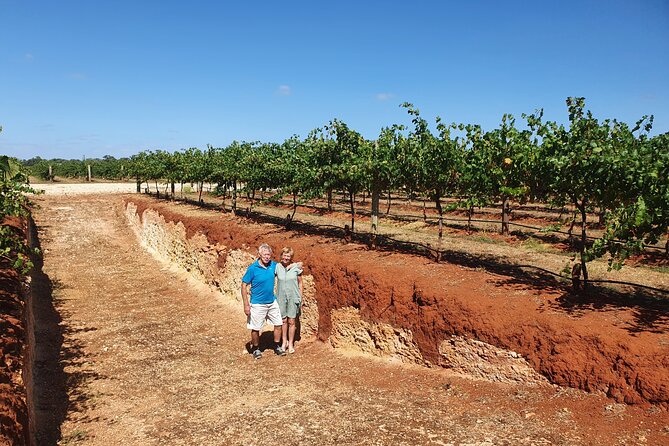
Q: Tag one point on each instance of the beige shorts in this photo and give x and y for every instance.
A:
(264, 312)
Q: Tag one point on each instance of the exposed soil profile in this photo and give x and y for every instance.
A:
(569, 342)
(155, 358)
(13, 405)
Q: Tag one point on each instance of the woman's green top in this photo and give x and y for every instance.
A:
(287, 288)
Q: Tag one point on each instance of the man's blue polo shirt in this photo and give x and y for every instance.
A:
(262, 282)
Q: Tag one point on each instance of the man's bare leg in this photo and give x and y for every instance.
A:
(277, 340)
(255, 340)
(277, 334)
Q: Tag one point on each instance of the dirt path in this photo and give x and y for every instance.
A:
(149, 357)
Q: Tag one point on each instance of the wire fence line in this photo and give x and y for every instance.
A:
(432, 218)
(380, 240)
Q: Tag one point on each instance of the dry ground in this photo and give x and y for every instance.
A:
(149, 357)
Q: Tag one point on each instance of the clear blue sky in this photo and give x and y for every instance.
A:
(93, 78)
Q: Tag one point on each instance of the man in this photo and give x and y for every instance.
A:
(262, 305)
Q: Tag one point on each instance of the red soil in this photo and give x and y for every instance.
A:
(13, 411)
(614, 344)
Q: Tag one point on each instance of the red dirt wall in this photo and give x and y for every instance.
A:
(13, 410)
(606, 349)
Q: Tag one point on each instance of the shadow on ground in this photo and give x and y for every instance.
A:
(55, 391)
(650, 312)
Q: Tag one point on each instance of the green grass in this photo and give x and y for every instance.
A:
(659, 269)
(484, 239)
(536, 245)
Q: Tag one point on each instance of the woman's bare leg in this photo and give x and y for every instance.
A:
(284, 334)
(291, 333)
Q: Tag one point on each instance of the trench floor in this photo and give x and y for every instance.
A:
(147, 356)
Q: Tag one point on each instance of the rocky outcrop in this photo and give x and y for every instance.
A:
(480, 360)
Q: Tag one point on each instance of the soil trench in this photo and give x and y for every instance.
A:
(426, 309)
(151, 356)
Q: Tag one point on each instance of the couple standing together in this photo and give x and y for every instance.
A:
(261, 304)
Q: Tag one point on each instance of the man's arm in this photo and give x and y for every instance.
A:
(246, 289)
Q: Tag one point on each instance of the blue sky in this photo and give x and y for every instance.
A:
(93, 78)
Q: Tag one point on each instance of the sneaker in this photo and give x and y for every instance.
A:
(257, 354)
(291, 350)
(279, 351)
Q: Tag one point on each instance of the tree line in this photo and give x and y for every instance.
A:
(607, 168)
(603, 167)
(107, 167)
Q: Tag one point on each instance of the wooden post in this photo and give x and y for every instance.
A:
(352, 199)
(389, 198)
(88, 166)
(576, 277)
(50, 173)
(348, 234)
(505, 216)
(373, 241)
(376, 195)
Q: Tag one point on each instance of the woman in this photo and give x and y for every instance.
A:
(289, 295)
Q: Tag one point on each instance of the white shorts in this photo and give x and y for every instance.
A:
(262, 312)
